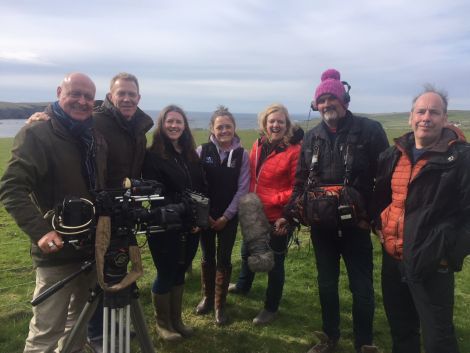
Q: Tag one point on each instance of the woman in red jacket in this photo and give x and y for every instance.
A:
(273, 160)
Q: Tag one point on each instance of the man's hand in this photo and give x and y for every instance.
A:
(39, 116)
(195, 229)
(280, 226)
(219, 223)
(51, 242)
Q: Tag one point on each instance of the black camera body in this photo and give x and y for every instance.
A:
(141, 208)
(74, 219)
(199, 207)
(74, 212)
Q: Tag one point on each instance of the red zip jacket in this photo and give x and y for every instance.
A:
(275, 180)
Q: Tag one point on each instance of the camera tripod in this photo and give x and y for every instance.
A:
(123, 306)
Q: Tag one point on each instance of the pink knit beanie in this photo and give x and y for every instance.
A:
(331, 84)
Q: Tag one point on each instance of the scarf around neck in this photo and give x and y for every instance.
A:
(82, 131)
(128, 124)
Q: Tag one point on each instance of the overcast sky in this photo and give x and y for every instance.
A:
(241, 53)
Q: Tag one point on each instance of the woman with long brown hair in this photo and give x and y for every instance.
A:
(173, 161)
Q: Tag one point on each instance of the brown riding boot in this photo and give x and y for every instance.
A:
(176, 312)
(164, 327)
(222, 280)
(369, 349)
(326, 345)
(208, 288)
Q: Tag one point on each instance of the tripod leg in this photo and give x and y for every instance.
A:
(121, 330)
(128, 328)
(105, 329)
(112, 349)
(82, 321)
(140, 327)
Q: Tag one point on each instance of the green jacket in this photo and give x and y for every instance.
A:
(45, 167)
(126, 141)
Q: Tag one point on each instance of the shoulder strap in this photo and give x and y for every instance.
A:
(351, 141)
(313, 178)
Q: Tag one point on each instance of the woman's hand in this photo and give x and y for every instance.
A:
(219, 224)
(280, 226)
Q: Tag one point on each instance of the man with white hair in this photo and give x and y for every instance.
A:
(51, 161)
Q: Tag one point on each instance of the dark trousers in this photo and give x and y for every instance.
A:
(409, 306)
(276, 276)
(217, 246)
(172, 253)
(95, 325)
(355, 247)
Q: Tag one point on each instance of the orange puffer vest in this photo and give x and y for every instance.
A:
(394, 215)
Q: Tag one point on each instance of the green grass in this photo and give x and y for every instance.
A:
(299, 311)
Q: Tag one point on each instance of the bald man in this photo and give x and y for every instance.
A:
(52, 160)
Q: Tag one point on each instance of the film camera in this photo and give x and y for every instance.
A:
(137, 208)
(193, 210)
(142, 210)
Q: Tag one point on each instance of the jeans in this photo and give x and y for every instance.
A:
(276, 277)
(428, 305)
(172, 253)
(355, 247)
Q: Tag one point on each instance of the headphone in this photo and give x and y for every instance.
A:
(346, 96)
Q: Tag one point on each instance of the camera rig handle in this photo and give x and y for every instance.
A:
(86, 267)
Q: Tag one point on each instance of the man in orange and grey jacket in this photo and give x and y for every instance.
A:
(423, 219)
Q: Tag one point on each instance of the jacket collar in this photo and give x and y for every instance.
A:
(279, 147)
(57, 126)
(139, 123)
(449, 136)
(235, 143)
(441, 151)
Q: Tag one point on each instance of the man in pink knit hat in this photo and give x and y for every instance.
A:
(335, 179)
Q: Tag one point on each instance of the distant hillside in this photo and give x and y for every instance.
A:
(389, 120)
(19, 110)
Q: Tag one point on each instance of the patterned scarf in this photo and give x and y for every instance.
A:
(83, 132)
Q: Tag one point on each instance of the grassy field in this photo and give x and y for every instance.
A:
(299, 312)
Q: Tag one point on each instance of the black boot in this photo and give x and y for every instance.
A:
(208, 288)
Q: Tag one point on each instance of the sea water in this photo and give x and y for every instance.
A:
(197, 120)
